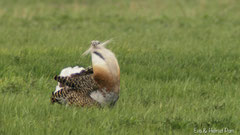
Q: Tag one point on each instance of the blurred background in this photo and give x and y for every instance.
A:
(179, 61)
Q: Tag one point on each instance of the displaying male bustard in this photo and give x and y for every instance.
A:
(95, 86)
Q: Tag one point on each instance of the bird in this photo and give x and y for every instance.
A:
(97, 85)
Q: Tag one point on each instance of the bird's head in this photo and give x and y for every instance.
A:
(95, 44)
(105, 65)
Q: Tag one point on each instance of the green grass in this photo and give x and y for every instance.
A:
(179, 60)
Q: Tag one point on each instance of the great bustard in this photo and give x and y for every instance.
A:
(96, 86)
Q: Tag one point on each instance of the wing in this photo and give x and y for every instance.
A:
(68, 96)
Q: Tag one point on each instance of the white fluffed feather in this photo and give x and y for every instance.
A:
(69, 71)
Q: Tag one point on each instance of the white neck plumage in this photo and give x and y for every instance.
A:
(105, 67)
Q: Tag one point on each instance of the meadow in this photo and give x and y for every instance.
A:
(179, 60)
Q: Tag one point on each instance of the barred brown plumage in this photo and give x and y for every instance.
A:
(77, 89)
(94, 86)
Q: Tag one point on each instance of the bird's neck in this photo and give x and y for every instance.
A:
(106, 71)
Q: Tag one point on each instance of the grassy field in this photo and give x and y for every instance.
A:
(179, 60)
